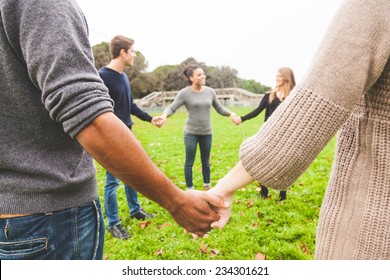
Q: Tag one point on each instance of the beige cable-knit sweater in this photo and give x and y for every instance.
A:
(346, 89)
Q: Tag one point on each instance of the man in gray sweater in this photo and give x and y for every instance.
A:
(55, 113)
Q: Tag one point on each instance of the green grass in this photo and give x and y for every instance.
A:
(278, 230)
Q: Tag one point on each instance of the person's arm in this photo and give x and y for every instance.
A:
(219, 107)
(171, 109)
(349, 62)
(237, 178)
(113, 145)
(142, 115)
(258, 110)
(139, 113)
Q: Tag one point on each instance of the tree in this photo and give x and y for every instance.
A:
(101, 54)
(253, 86)
(223, 77)
(170, 77)
(160, 75)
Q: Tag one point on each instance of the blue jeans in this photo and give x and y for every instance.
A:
(191, 142)
(111, 203)
(75, 233)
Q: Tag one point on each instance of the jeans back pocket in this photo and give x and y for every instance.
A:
(23, 249)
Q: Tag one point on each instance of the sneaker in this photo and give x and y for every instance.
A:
(142, 215)
(264, 192)
(118, 232)
(283, 195)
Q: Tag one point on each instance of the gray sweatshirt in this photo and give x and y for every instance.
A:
(198, 105)
(49, 92)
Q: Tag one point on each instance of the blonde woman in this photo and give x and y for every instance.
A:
(285, 82)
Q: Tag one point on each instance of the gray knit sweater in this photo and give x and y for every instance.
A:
(198, 105)
(49, 91)
(346, 89)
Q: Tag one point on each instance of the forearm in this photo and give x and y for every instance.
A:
(113, 145)
(237, 178)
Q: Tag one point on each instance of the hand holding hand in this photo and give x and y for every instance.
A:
(236, 120)
(158, 121)
(195, 211)
(224, 213)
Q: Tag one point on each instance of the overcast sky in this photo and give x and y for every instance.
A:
(255, 37)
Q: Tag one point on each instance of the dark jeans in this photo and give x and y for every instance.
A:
(111, 202)
(75, 233)
(191, 142)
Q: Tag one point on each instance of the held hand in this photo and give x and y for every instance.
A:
(195, 213)
(158, 121)
(224, 213)
(236, 120)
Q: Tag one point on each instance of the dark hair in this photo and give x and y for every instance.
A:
(188, 71)
(119, 43)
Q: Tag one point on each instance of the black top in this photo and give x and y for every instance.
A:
(264, 104)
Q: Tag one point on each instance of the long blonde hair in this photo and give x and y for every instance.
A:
(288, 85)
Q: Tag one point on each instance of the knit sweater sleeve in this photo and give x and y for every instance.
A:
(59, 60)
(350, 59)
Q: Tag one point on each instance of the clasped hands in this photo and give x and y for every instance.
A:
(212, 210)
(158, 121)
(236, 120)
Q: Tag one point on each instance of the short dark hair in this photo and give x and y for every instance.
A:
(118, 43)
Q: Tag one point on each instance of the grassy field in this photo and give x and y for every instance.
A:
(263, 228)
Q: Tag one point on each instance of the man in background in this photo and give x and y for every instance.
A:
(118, 84)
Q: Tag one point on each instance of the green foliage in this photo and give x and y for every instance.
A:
(222, 77)
(101, 54)
(170, 77)
(160, 75)
(278, 230)
(253, 86)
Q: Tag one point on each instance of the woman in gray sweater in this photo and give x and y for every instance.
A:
(198, 100)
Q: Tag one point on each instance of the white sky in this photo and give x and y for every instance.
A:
(255, 37)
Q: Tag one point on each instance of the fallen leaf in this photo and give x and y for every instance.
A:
(242, 213)
(163, 226)
(305, 249)
(255, 225)
(203, 248)
(159, 252)
(214, 252)
(144, 225)
(269, 222)
(250, 204)
(260, 257)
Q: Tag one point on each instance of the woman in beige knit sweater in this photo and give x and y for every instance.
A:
(346, 90)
